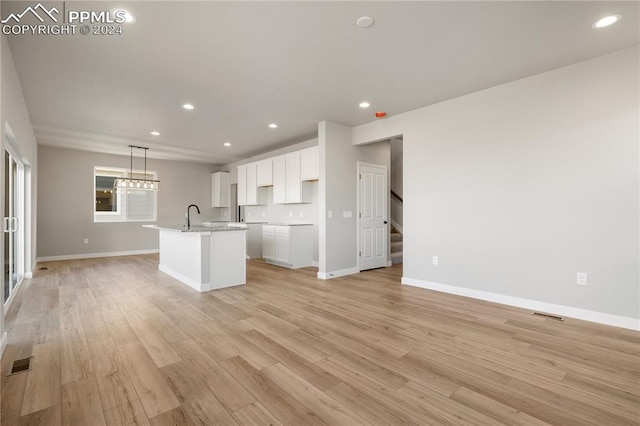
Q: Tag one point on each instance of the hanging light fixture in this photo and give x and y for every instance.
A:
(131, 183)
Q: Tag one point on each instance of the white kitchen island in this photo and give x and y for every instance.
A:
(204, 258)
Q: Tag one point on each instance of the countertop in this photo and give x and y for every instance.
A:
(198, 228)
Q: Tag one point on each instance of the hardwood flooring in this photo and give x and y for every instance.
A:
(115, 342)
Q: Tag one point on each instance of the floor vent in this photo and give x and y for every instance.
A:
(43, 268)
(555, 317)
(20, 365)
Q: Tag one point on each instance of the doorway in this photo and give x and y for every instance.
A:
(12, 224)
(373, 232)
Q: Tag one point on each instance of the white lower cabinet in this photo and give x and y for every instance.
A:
(288, 246)
(254, 240)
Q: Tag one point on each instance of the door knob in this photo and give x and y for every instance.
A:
(385, 222)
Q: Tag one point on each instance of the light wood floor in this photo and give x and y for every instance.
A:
(116, 342)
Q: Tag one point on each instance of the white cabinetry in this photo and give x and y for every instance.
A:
(220, 189)
(279, 181)
(265, 172)
(248, 191)
(254, 240)
(288, 246)
(310, 164)
(268, 242)
(287, 184)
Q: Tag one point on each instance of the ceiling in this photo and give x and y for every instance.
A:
(247, 64)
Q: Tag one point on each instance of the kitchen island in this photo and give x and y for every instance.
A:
(203, 257)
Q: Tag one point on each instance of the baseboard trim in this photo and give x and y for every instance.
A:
(95, 255)
(3, 345)
(395, 225)
(534, 305)
(336, 274)
(201, 287)
(28, 275)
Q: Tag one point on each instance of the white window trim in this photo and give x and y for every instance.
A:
(119, 216)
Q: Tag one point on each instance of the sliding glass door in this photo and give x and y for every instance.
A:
(11, 223)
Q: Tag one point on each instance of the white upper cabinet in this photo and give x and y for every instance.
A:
(220, 190)
(265, 172)
(242, 185)
(279, 181)
(310, 164)
(252, 184)
(248, 191)
(294, 185)
(287, 184)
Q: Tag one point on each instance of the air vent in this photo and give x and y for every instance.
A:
(20, 365)
(555, 317)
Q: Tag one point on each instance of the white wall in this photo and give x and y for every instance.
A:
(338, 193)
(15, 116)
(519, 187)
(66, 202)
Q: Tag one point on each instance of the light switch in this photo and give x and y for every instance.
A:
(347, 214)
(290, 213)
(301, 214)
(330, 214)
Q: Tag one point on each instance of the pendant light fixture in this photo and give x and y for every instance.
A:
(131, 183)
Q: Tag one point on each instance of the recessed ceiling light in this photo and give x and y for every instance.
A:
(273, 125)
(227, 144)
(188, 106)
(606, 21)
(364, 22)
(155, 133)
(364, 105)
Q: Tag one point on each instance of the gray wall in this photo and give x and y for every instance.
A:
(338, 193)
(519, 187)
(66, 202)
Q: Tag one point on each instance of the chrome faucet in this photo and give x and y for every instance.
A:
(188, 214)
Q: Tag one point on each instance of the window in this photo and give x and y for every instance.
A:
(122, 205)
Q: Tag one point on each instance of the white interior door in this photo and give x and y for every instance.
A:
(372, 216)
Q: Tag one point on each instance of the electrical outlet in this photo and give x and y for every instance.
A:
(434, 260)
(290, 213)
(264, 214)
(225, 213)
(347, 214)
(330, 214)
(86, 241)
(581, 278)
(248, 214)
(301, 214)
